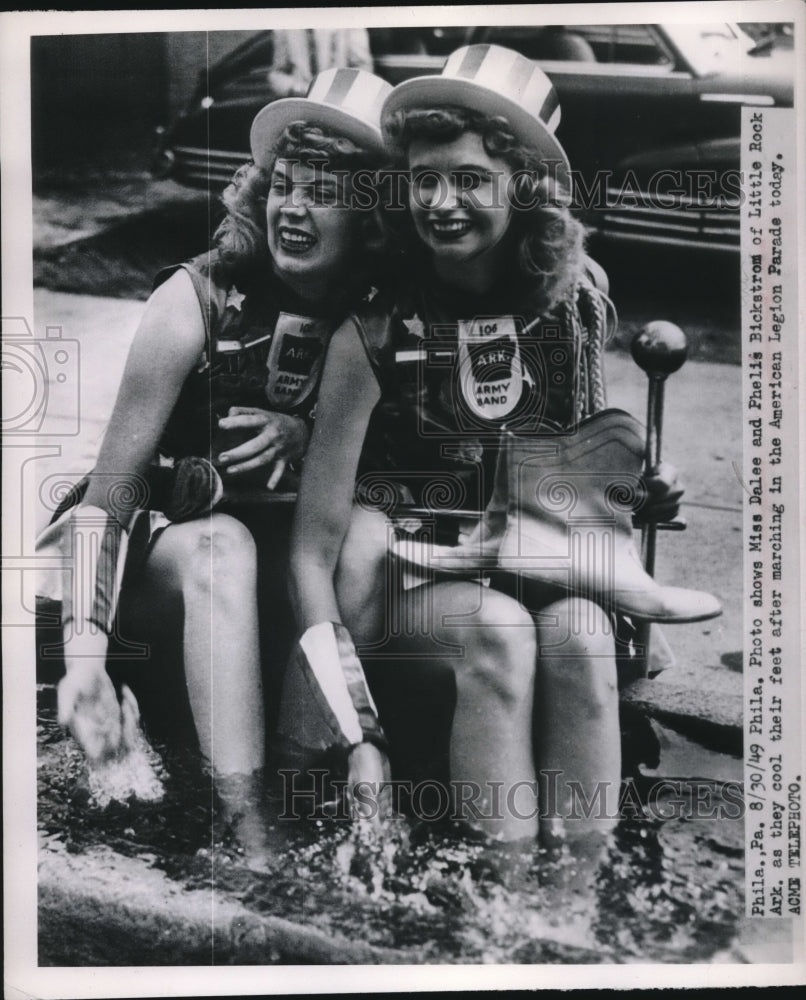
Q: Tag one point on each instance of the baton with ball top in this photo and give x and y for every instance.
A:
(659, 349)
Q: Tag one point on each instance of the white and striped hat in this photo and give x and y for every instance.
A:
(493, 80)
(348, 101)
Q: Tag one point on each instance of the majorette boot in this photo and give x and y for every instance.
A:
(569, 520)
(561, 514)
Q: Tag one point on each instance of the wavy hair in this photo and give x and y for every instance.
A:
(241, 238)
(547, 241)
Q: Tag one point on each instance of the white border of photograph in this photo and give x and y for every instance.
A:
(23, 978)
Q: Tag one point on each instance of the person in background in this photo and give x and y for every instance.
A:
(301, 53)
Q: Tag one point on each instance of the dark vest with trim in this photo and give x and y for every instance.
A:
(453, 372)
(259, 351)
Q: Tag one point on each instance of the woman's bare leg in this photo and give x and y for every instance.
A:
(205, 573)
(488, 641)
(208, 568)
(576, 717)
(485, 638)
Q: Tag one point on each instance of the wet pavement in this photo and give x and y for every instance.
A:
(161, 883)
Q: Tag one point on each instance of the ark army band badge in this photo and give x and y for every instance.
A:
(490, 367)
(295, 358)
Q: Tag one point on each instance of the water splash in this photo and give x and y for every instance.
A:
(668, 891)
(133, 775)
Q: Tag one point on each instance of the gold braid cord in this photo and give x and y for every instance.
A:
(588, 316)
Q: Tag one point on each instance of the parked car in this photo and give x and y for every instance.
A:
(650, 115)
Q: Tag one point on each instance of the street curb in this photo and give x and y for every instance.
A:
(715, 721)
(101, 903)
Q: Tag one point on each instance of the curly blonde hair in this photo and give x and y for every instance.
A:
(547, 241)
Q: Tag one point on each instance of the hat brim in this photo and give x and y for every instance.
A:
(271, 121)
(438, 91)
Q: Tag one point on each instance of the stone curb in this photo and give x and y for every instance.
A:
(710, 716)
(100, 903)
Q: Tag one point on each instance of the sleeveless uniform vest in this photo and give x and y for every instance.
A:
(255, 354)
(453, 374)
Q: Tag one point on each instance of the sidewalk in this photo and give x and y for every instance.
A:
(702, 694)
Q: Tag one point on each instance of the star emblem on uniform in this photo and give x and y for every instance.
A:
(415, 326)
(235, 298)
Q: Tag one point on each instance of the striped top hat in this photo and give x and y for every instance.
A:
(346, 101)
(493, 80)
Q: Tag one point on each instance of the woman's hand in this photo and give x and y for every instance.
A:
(87, 701)
(277, 440)
(367, 777)
(663, 493)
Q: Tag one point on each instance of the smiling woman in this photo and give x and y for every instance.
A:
(479, 192)
(459, 200)
(450, 388)
(217, 399)
(310, 240)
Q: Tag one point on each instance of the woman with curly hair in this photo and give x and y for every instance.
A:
(213, 414)
(494, 267)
